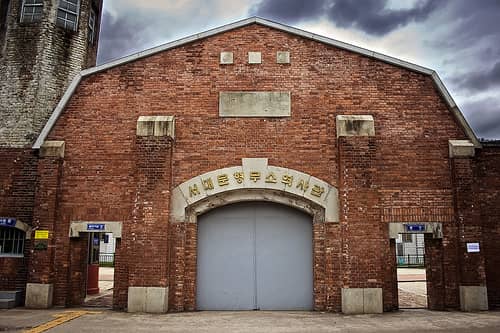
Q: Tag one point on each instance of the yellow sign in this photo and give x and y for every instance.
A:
(41, 234)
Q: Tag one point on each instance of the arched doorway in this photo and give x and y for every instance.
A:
(255, 255)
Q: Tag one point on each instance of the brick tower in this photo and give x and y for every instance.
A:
(43, 45)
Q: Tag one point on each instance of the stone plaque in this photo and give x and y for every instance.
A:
(254, 57)
(283, 57)
(226, 58)
(254, 104)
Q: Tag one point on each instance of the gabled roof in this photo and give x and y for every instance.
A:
(278, 26)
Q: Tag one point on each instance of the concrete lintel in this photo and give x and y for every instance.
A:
(23, 227)
(39, 295)
(461, 148)
(147, 299)
(355, 125)
(434, 228)
(473, 298)
(156, 126)
(52, 149)
(114, 227)
(362, 300)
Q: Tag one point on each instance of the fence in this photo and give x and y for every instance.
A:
(410, 260)
(107, 259)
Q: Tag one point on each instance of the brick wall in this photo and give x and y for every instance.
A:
(17, 190)
(37, 62)
(487, 187)
(401, 174)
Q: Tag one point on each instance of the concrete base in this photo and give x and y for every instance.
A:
(473, 298)
(362, 300)
(147, 299)
(39, 295)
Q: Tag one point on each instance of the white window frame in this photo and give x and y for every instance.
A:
(67, 11)
(18, 237)
(31, 15)
(92, 26)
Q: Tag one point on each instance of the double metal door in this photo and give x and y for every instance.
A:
(254, 256)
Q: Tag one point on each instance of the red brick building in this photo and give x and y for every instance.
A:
(258, 166)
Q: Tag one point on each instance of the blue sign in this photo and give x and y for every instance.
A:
(96, 226)
(415, 227)
(7, 222)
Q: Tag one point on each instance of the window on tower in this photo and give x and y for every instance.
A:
(4, 10)
(91, 33)
(31, 11)
(67, 14)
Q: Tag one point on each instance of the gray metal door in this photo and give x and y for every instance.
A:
(255, 256)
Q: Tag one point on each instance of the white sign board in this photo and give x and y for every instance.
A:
(472, 247)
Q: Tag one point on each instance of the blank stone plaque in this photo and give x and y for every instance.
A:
(226, 58)
(283, 57)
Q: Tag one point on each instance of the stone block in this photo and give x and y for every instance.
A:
(147, 299)
(352, 300)
(39, 295)
(362, 300)
(355, 125)
(283, 57)
(255, 104)
(136, 301)
(52, 149)
(156, 126)
(473, 298)
(461, 148)
(226, 58)
(254, 57)
(156, 300)
(372, 300)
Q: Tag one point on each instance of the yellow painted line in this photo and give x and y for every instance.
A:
(61, 319)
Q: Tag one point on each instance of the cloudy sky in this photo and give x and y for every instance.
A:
(460, 39)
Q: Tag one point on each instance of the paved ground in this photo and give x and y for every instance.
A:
(105, 296)
(412, 294)
(16, 320)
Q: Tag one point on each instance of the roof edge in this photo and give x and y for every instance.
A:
(57, 111)
(455, 109)
(238, 24)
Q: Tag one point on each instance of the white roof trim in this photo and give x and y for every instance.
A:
(394, 61)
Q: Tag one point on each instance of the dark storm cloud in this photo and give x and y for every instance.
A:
(476, 81)
(128, 33)
(484, 117)
(115, 38)
(290, 11)
(372, 17)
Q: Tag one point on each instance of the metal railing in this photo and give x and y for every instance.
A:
(107, 259)
(410, 260)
